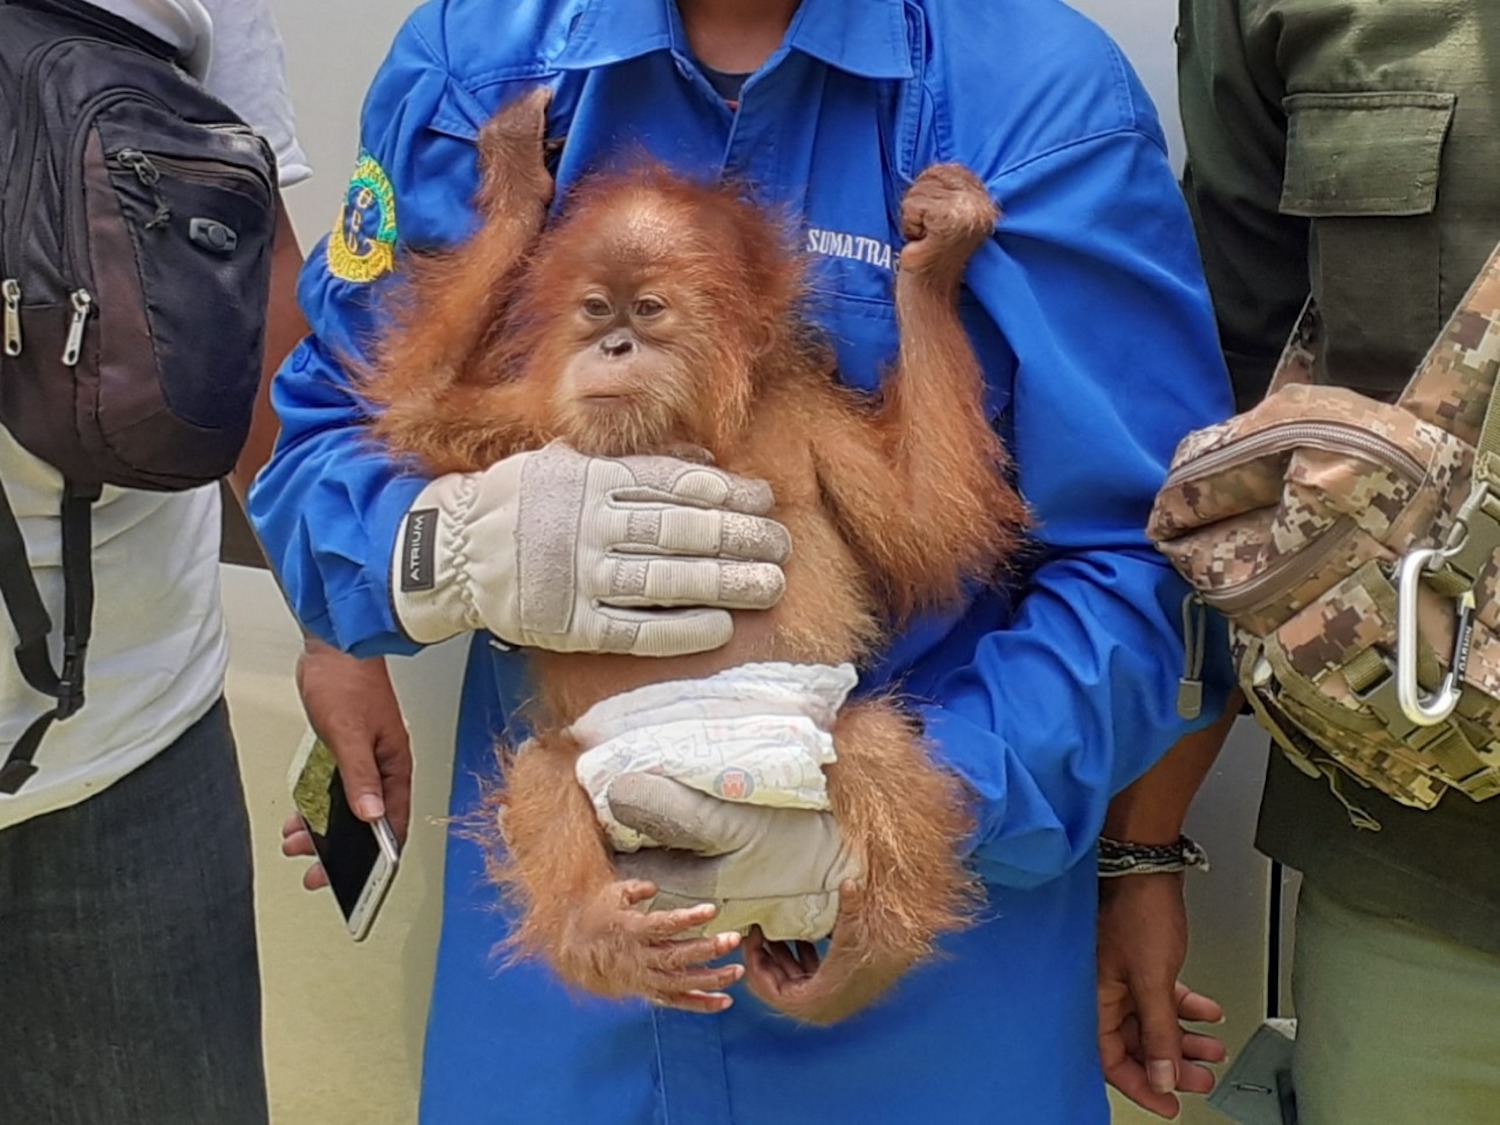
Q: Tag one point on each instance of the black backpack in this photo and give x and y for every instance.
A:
(137, 215)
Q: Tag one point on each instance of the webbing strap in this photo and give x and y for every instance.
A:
(1454, 387)
(1297, 358)
(33, 625)
(24, 603)
(1489, 436)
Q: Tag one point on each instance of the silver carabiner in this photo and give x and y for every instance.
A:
(1422, 709)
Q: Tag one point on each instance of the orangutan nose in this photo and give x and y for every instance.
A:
(617, 345)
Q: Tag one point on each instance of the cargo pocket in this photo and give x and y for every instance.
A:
(1364, 168)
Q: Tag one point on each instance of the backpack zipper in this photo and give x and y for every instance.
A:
(134, 160)
(148, 169)
(83, 304)
(10, 291)
(75, 223)
(10, 288)
(82, 300)
(74, 237)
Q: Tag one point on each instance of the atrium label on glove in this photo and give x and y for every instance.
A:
(419, 552)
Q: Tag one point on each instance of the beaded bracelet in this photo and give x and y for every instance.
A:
(1119, 858)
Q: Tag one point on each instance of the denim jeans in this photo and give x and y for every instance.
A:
(129, 979)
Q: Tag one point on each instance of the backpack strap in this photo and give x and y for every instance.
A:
(1297, 358)
(1456, 388)
(33, 625)
(1454, 384)
(105, 24)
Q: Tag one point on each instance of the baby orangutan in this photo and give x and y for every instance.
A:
(661, 316)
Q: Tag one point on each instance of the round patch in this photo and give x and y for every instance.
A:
(363, 246)
(734, 784)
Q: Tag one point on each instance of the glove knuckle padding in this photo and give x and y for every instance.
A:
(539, 545)
(682, 582)
(692, 531)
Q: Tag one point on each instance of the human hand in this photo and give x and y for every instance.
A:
(615, 948)
(781, 870)
(353, 708)
(1147, 1054)
(556, 550)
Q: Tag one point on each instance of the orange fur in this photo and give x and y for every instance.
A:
(892, 503)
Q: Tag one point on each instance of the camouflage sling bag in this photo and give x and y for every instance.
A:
(1351, 544)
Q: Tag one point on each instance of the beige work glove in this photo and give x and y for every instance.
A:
(556, 550)
(779, 869)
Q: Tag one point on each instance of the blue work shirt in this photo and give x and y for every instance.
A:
(1098, 340)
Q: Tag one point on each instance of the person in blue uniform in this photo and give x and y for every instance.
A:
(1098, 341)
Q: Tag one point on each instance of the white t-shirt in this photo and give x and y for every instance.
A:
(156, 663)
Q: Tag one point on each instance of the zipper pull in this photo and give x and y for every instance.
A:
(10, 291)
(1195, 641)
(150, 175)
(83, 303)
(139, 163)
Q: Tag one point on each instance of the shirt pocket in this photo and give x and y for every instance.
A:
(862, 331)
(1364, 168)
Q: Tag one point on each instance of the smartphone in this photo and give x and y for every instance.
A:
(1258, 1089)
(360, 858)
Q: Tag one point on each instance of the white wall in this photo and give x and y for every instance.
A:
(333, 50)
(1143, 28)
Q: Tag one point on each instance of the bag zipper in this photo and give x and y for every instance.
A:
(1330, 437)
(10, 292)
(148, 168)
(75, 223)
(83, 304)
(30, 112)
(1294, 569)
(1283, 577)
(82, 300)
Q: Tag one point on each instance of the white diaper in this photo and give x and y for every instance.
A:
(758, 734)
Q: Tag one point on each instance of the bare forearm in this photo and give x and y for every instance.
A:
(285, 327)
(1152, 810)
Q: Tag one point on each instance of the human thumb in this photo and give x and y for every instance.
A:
(362, 783)
(673, 815)
(1161, 1035)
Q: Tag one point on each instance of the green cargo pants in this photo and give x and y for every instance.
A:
(1396, 1025)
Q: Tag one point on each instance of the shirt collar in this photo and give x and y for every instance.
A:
(868, 38)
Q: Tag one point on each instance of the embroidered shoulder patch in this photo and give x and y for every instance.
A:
(363, 246)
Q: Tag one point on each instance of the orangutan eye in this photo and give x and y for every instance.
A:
(596, 307)
(648, 307)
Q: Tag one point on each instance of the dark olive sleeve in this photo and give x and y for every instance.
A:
(1254, 256)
